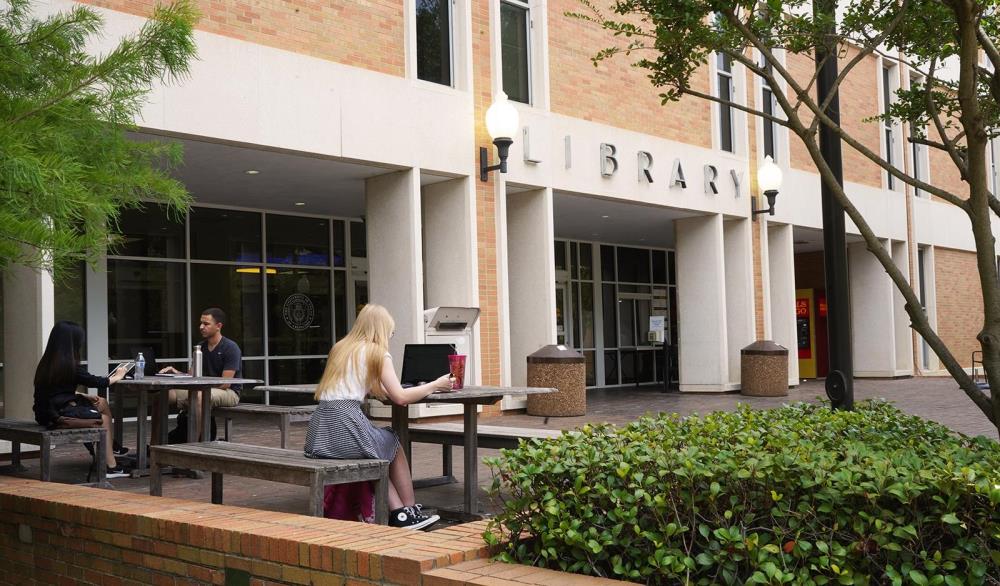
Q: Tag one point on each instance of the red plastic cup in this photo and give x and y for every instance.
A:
(456, 363)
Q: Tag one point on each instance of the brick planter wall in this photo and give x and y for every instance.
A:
(64, 534)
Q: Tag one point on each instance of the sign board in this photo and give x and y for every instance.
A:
(657, 323)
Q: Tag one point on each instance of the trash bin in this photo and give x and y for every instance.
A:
(764, 369)
(562, 368)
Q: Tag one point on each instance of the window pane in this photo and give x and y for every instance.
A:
(298, 241)
(575, 316)
(560, 254)
(725, 114)
(150, 232)
(611, 368)
(147, 307)
(514, 51)
(670, 267)
(574, 260)
(607, 263)
(296, 372)
(238, 292)
(610, 303)
(339, 248)
(645, 367)
(340, 302)
(586, 261)
(359, 242)
(434, 41)
(225, 235)
(633, 265)
(659, 267)
(360, 296)
(768, 100)
(298, 312)
(250, 394)
(70, 295)
(591, 368)
(587, 311)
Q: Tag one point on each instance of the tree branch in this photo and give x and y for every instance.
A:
(956, 157)
(737, 106)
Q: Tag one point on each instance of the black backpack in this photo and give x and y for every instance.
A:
(179, 435)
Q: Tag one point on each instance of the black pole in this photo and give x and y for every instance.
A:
(840, 380)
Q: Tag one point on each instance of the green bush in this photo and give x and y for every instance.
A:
(797, 495)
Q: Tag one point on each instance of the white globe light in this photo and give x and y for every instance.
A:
(501, 118)
(769, 175)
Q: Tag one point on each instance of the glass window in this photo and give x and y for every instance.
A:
(225, 235)
(299, 317)
(147, 306)
(887, 123)
(296, 240)
(659, 267)
(239, 292)
(514, 24)
(296, 371)
(574, 260)
(768, 107)
(586, 261)
(610, 304)
(340, 302)
(724, 70)
(150, 231)
(587, 315)
(254, 369)
(575, 315)
(434, 41)
(359, 240)
(589, 356)
(360, 296)
(339, 248)
(670, 267)
(560, 253)
(607, 263)
(633, 265)
(70, 294)
(611, 368)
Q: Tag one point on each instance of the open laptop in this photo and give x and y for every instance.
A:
(423, 363)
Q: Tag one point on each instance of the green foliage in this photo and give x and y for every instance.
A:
(67, 166)
(798, 495)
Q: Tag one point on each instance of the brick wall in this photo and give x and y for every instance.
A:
(615, 93)
(959, 302)
(366, 34)
(65, 534)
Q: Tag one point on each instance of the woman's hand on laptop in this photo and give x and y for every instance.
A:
(443, 383)
(168, 370)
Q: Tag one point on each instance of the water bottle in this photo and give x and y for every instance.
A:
(140, 367)
(196, 361)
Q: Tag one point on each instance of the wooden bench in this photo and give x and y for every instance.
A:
(281, 415)
(17, 431)
(273, 464)
(487, 436)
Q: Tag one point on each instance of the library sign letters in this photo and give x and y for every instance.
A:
(644, 164)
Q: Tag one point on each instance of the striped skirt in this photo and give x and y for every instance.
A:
(340, 430)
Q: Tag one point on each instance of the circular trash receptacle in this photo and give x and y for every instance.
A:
(562, 368)
(764, 369)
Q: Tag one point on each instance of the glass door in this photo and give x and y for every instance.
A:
(638, 356)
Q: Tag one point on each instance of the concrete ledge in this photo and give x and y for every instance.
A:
(57, 533)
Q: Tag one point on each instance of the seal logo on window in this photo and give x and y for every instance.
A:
(298, 312)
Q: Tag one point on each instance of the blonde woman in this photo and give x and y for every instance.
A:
(360, 365)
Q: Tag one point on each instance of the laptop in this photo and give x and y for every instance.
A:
(423, 363)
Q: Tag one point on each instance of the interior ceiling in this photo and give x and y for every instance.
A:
(216, 173)
(579, 217)
(811, 239)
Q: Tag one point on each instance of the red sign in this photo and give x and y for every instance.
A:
(802, 308)
(822, 306)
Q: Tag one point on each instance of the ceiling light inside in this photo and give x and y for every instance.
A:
(252, 172)
(300, 203)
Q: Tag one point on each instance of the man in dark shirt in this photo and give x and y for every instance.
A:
(220, 357)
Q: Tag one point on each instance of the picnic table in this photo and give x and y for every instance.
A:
(199, 386)
(470, 397)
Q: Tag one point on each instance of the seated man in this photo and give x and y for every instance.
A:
(221, 357)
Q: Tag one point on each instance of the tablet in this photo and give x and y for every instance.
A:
(128, 367)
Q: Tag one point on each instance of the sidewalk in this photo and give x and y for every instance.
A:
(938, 399)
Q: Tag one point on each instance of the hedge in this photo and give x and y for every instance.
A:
(802, 494)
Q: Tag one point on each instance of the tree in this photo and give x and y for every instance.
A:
(674, 38)
(67, 165)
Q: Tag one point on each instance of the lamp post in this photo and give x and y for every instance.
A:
(769, 180)
(501, 124)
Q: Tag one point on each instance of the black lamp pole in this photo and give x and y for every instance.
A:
(840, 380)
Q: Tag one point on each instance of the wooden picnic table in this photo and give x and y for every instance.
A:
(143, 387)
(470, 397)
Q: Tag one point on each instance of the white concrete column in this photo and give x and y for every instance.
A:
(781, 290)
(450, 262)
(701, 304)
(29, 314)
(871, 314)
(901, 320)
(96, 284)
(740, 328)
(395, 260)
(531, 277)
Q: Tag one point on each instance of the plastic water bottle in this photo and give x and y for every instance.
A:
(196, 361)
(140, 367)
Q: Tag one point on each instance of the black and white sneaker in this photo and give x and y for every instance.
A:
(116, 472)
(411, 518)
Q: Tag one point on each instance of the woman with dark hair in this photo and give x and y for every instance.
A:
(58, 377)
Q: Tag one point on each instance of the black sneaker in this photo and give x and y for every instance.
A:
(411, 518)
(119, 449)
(116, 472)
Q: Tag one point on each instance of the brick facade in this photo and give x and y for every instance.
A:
(365, 34)
(959, 302)
(65, 534)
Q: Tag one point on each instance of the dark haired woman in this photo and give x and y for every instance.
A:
(57, 378)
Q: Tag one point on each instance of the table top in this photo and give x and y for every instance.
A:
(469, 393)
(184, 381)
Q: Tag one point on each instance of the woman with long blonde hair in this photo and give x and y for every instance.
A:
(360, 365)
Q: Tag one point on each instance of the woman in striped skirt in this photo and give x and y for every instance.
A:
(359, 365)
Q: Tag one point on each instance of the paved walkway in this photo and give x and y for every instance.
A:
(938, 399)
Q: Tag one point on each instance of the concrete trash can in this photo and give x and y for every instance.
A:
(561, 368)
(764, 369)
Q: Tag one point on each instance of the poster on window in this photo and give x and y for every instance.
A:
(802, 316)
